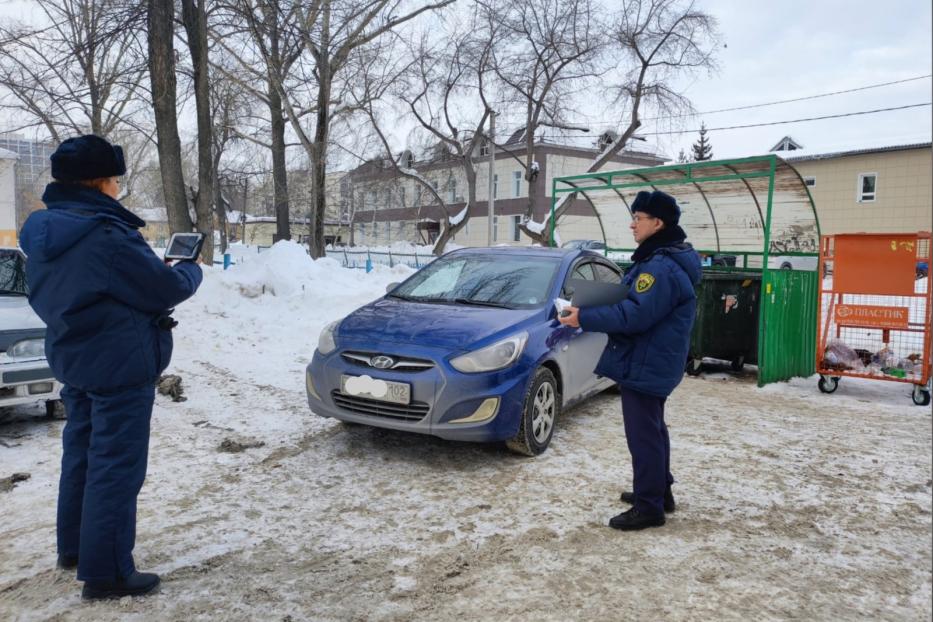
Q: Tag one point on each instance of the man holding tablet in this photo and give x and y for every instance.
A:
(106, 298)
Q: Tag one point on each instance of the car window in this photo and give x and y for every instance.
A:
(513, 281)
(606, 274)
(583, 271)
(12, 273)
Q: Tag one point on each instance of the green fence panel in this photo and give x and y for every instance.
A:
(788, 312)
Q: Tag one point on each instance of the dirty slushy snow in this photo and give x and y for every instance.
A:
(791, 503)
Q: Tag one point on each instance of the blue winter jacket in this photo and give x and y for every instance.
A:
(100, 289)
(649, 331)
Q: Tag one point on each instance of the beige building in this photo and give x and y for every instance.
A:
(872, 190)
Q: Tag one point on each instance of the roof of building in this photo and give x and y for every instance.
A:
(786, 144)
(800, 157)
(6, 154)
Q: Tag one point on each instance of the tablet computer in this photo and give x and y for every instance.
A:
(596, 293)
(184, 246)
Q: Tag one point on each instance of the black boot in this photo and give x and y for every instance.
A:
(633, 520)
(136, 584)
(669, 505)
(67, 562)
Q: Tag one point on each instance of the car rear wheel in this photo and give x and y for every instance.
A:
(539, 414)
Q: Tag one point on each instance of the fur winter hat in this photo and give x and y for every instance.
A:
(658, 204)
(87, 157)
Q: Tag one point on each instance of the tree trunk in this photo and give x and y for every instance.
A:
(162, 77)
(196, 26)
(279, 172)
(319, 166)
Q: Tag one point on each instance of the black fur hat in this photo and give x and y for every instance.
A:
(87, 157)
(658, 204)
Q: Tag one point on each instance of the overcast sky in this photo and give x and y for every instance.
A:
(791, 49)
(797, 48)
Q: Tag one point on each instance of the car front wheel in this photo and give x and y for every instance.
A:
(539, 414)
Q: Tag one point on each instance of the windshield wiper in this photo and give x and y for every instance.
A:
(399, 296)
(482, 303)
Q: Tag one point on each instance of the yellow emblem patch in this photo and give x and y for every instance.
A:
(644, 282)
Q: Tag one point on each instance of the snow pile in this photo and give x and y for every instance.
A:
(286, 270)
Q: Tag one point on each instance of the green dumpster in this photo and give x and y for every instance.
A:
(726, 325)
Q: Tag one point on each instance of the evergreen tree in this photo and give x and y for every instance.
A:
(682, 157)
(702, 150)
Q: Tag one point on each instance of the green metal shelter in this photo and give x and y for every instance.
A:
(756, 209)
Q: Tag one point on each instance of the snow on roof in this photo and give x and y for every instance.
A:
(6, 154)
(801, 155)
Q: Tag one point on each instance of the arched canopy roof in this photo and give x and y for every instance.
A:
(742, 205)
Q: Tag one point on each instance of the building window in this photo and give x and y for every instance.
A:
(516, 228)
(452, 190)
(810, 181)
(484, 149)
(362, 230)
(867, 182)
(495, 186)
(401, 195)
(516, 183)
(495, 228)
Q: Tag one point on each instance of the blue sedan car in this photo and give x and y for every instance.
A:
(469, 348)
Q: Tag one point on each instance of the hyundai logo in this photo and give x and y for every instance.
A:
(382, 361)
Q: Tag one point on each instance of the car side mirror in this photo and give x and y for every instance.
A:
(392, 286)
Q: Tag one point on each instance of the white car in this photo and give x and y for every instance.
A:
(25, 377)
(793, 262)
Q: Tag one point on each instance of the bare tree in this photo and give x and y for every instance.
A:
(550, 50)
(443, 90)
(161, 34)
(261, 35)
(78, 71)
(229, 102)
(657, 41)
(332, 30)
(195, 21)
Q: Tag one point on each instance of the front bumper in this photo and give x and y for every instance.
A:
(439, 395)
(26, 382)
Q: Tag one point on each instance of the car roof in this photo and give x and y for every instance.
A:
(528, 251)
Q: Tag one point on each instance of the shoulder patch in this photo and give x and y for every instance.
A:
(644, 282)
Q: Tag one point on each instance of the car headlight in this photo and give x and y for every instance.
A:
(27, 349)
(326, 343)
(498, 355)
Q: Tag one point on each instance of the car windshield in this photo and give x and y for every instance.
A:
(487, 280)
(12, 273)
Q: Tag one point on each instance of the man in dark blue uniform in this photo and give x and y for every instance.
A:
(105, 297)
(649, 336)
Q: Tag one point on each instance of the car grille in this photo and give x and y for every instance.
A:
(414, 411)
(402, 363)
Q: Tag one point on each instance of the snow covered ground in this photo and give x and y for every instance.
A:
(791, 503)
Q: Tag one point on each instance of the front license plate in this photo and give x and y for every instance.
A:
(376, 389)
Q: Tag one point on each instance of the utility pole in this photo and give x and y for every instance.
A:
(492, 175)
